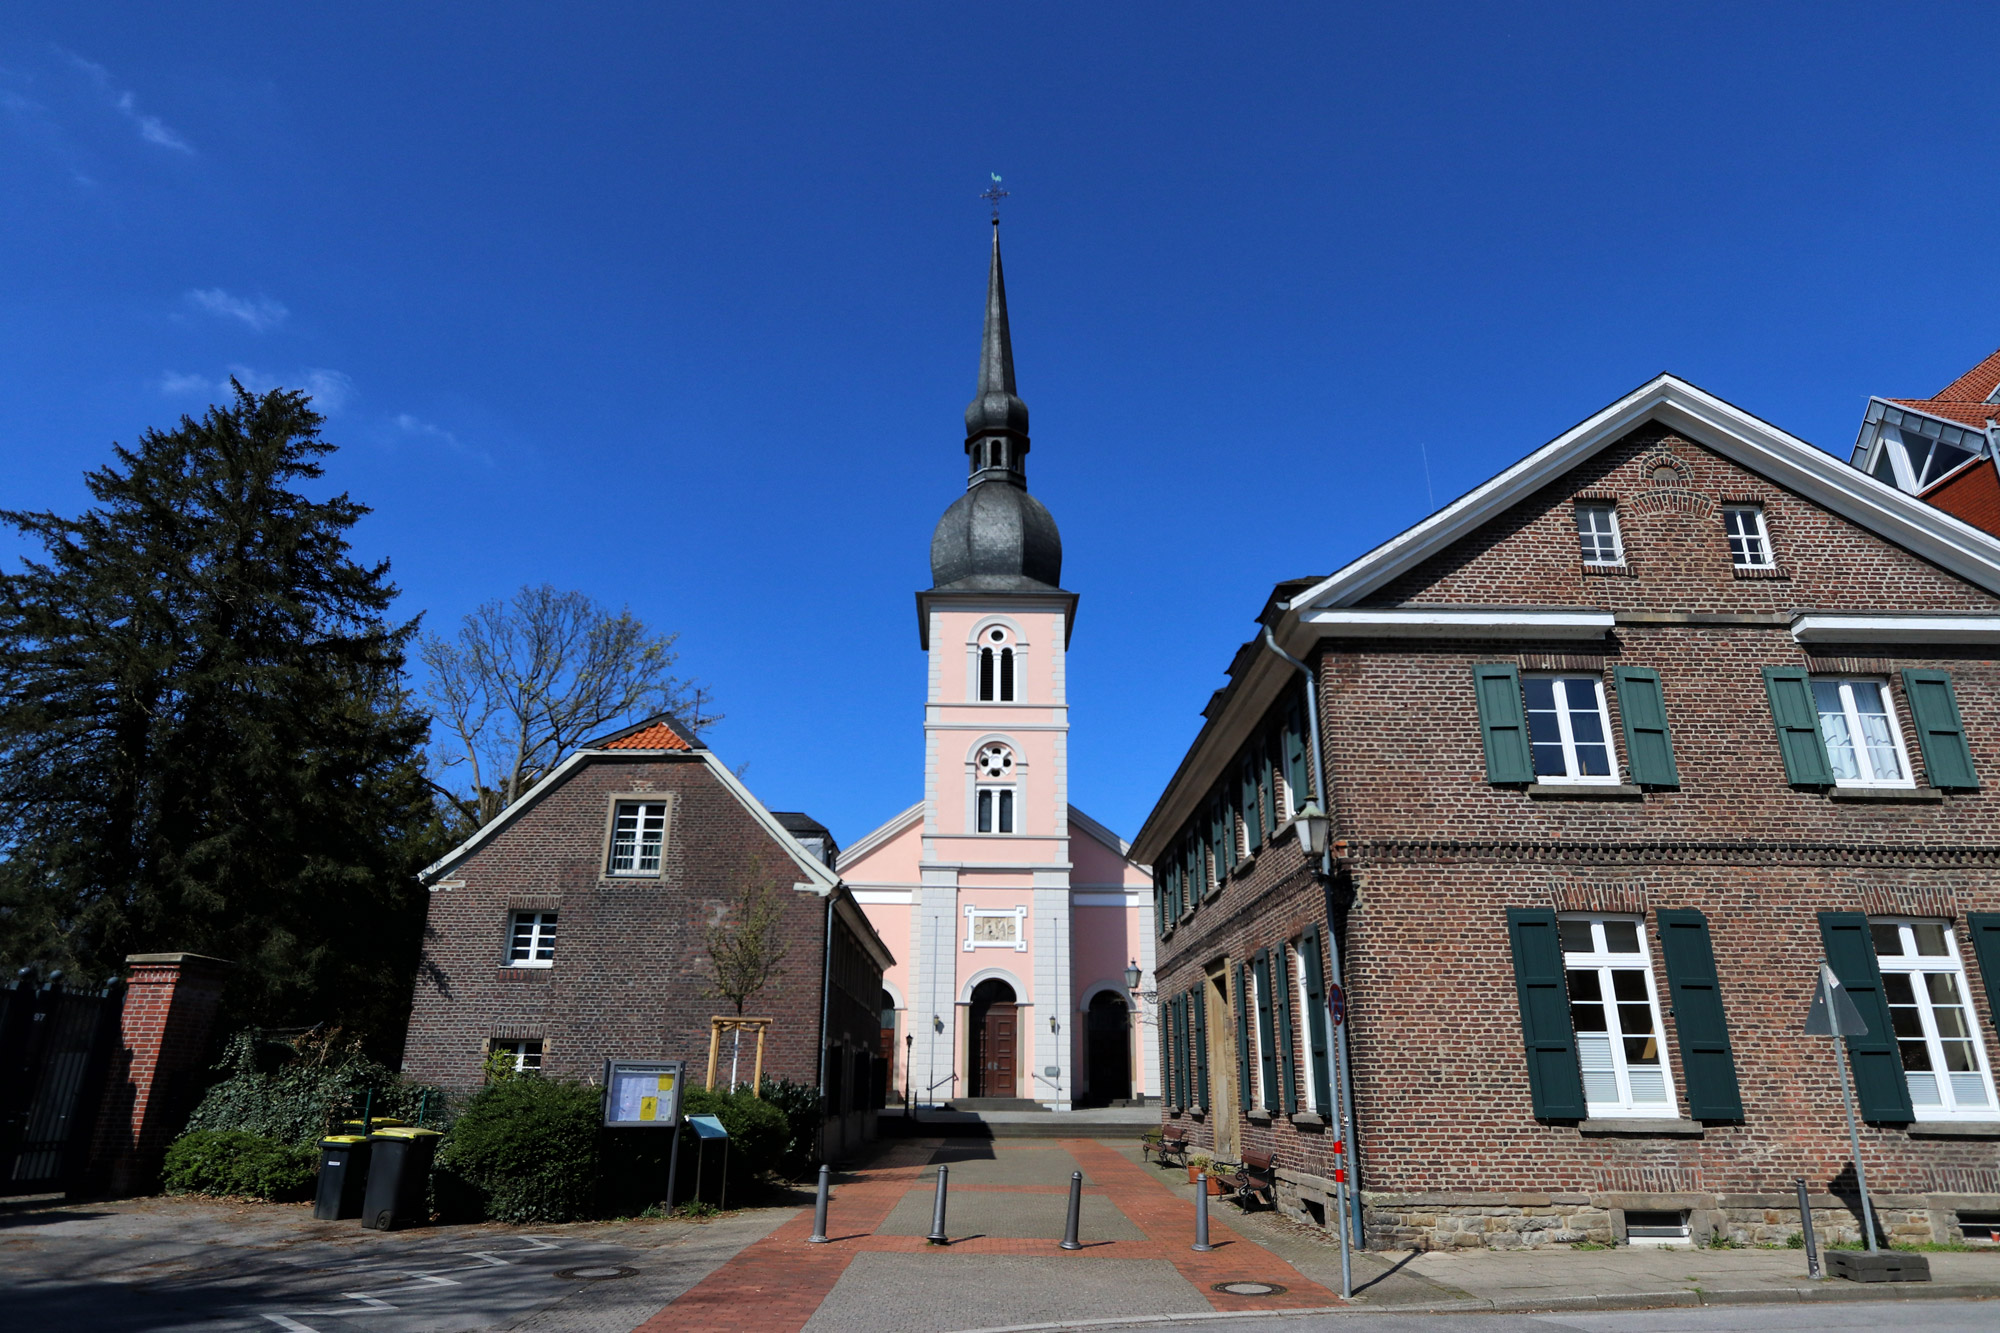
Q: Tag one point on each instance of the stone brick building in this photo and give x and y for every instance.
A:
(1616, 748)
(571, 930)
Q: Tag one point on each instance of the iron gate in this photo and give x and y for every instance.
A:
(55, 1046)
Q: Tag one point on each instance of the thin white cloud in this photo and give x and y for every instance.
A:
(151, 128)
(329, 390)
(176, 385)
(260, 313)
(416, 428)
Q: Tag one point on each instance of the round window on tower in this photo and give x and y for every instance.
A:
(995, 760)
(996, 634)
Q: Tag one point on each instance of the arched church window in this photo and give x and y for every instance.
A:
(993, 804)
(995, 761)
(1007, 675)
(986, 675)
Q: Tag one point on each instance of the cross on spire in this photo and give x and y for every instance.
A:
(993, 194)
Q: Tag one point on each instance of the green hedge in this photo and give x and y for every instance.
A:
(524, 1150)
(295, 1091)
(234, 1161)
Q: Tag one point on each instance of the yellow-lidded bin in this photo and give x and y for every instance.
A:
(343, 1176)
(399, 1177)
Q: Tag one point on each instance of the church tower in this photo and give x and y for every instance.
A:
(995, 929)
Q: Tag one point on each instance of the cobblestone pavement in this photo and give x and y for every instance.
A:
(1005, 1212)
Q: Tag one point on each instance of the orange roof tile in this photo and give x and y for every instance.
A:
(1975, 384)
(659, 736)
(1973, 414)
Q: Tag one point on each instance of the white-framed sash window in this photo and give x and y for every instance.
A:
(532, 940)
(637, 832)
(1614, 1009)
(1930, 1011)
(1569, 729)
(1597, 533)
(1749, 543)
(1864, 741)
(526, 1054)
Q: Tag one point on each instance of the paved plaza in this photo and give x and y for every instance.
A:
(204, 1266)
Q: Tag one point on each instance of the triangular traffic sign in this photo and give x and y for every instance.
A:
(1847, 1020)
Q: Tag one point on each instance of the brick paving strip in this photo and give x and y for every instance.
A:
(1168, 1221)
(784, 1281)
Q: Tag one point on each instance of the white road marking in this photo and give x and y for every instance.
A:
(290, 1325)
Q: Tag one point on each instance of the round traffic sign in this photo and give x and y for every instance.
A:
(1336, 1004)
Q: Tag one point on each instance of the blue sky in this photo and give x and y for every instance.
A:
(679, 304)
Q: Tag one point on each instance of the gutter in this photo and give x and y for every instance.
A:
(825, 998)
(1344, 1073)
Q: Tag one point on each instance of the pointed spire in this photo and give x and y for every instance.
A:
(995, 407)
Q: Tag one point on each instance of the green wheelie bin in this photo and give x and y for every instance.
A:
(343, 1174)
(399, 1177)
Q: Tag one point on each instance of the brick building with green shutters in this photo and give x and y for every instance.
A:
(1615, 750)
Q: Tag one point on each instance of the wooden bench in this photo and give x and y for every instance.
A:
(1255, 1179)
(1173, 1146)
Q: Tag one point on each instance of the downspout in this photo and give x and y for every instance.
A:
(1343, 1072)
(825, 998)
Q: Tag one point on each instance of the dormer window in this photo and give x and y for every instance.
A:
(996, 668)
(1597, 534)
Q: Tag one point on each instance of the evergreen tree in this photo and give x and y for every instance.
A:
(204, 739)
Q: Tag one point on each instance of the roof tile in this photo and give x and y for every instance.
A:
(659, 736)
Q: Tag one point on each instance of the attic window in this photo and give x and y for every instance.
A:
(1911, 450)
(1597, 533)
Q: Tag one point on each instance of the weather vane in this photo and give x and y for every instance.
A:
(993, 194)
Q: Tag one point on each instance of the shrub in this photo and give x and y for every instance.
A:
(233, 1161)
(527, 1149)
(294, 1091)
(758, 1130)
(801, 1105)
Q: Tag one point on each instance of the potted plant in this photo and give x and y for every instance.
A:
(1196, 1164)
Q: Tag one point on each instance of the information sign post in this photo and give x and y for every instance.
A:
(1833, 1014)
(646, 1094)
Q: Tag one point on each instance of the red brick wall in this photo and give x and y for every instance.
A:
(164, 1045)
(630, 963)
(1440, 855)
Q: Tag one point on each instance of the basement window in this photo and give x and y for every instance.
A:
(1978, 1227)
(1644, 1227)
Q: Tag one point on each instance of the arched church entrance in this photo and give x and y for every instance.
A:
(993, 1039)
(1108, 1048)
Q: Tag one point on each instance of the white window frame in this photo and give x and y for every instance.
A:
(1308, 1066)
(518, 1048)
(1604, 962)
(541, 939)
(638, 870)
(1571, 776)
(1951, 963)
(1255, 1027)
(1761, 535)
(1610, 511)
(1851, 714)
(1006, 809)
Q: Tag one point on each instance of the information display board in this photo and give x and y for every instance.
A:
(643, 1093)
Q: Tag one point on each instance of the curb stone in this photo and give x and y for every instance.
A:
(1631, 1300)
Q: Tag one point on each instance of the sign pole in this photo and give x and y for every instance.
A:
(1847, 1101)
(1336, 1015)
(673, 1167)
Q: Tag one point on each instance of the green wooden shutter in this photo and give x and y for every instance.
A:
(1288, 1060)
(1253, 821)
(1502, 721)
(1228, 803)
(1649, 749)
(1267, 1037)
(1316, 1025)
(1947, 758)
(1984, 928)
(1224, 845)
(1267, 784)
(1242, 980)
(1298, 775)
(1159, 909)
(1797, 719)
(1201, 1045)
(1554, 1080)
(1696, 996)
(1879, 1085)
(1166, 1061)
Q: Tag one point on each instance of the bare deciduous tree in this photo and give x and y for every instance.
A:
(743, 944)
(529, 678)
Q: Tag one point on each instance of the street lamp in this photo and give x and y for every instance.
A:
(1132, 975)
(1312, 824)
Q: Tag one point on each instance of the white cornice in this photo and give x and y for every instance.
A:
(1942, 627)
(872, 842)
(1440, 622)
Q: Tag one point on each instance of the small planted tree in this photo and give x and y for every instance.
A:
(745, 951)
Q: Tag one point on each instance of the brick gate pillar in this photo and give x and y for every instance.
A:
(171, 1001)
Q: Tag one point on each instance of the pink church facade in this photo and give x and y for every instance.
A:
(1013, 915)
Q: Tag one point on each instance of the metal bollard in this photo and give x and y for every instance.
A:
(1069, 1240)
(818, 1236)
(1806, 1228)
(1201, 1245)
(937, 1236)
